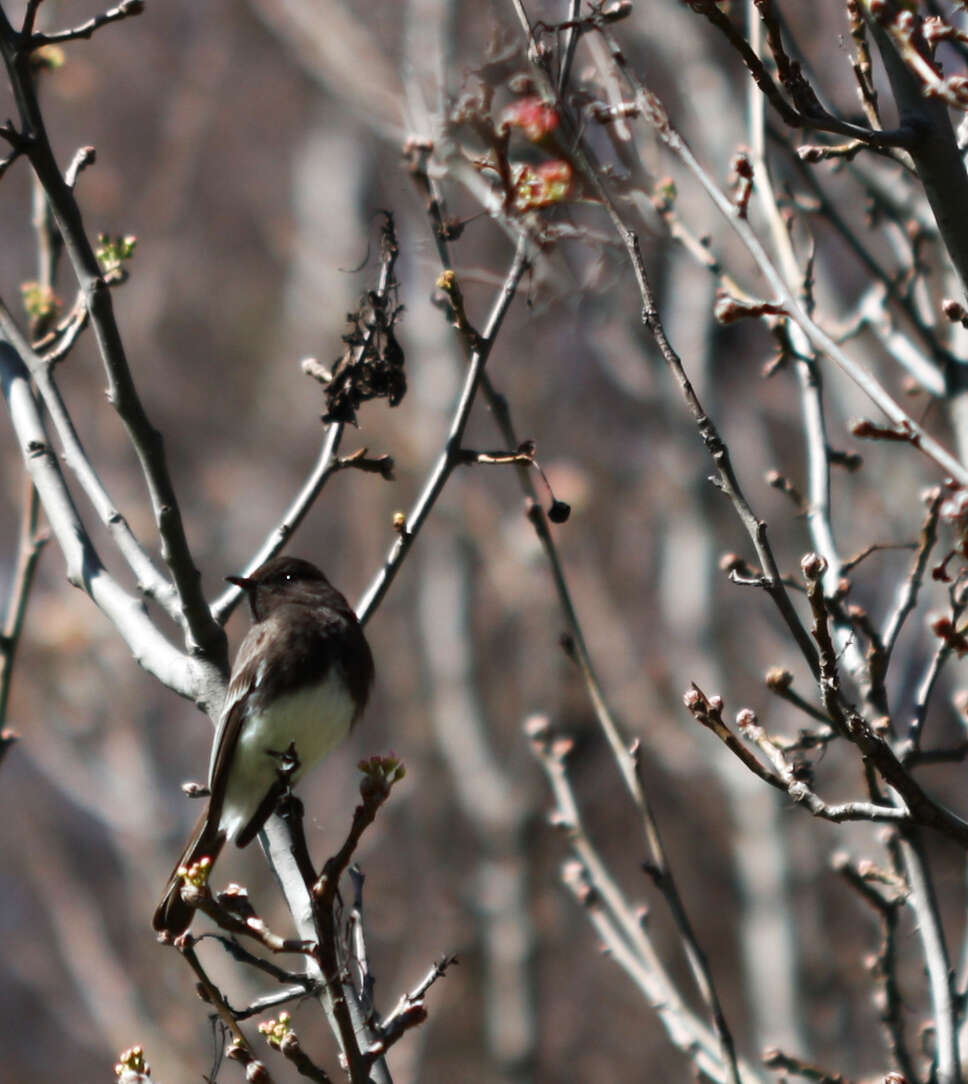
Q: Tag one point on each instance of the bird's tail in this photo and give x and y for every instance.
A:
(173, 915)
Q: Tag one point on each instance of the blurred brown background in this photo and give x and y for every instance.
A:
(249, 147)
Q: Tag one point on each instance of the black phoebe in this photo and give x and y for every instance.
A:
(300, 681)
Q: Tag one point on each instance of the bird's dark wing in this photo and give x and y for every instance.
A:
(244, 684)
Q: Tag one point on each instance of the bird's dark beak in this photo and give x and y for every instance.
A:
(242, 581)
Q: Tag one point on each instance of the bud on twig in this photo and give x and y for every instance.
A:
(813, 566)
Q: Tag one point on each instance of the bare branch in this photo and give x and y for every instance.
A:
(627, 760)
(205, 637)
(124, 10)
(778, 1059)
(621, 925)
(807, 112)
(785, 775)
(651, 108)
(892, 1006)
(852, 725)
(30, 544)
(379, 778)
(908, 598)
(192, 678)
(922, 98)
(923, 901)
(240, 1050)
(943, 651)
(393, 1024)
(150, 581)
(450, 456)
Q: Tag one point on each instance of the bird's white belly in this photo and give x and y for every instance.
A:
(316, 719)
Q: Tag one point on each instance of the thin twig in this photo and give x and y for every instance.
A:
(780, 683)
(124, 10)
(778, 1059)
(891, 1006)
(922, 698)
(49, 244)
(908, 598)
(186, 946)
(273, 1001)
(415, 997)
(449, 458)
(30, 17)
(29, 546)
(572, 34)
(784, 775)
(357, 937)
(250, 926)
(240, 953)
(56, 346)
(922, 899)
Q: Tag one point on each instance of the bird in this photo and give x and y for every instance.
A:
(299, 683)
